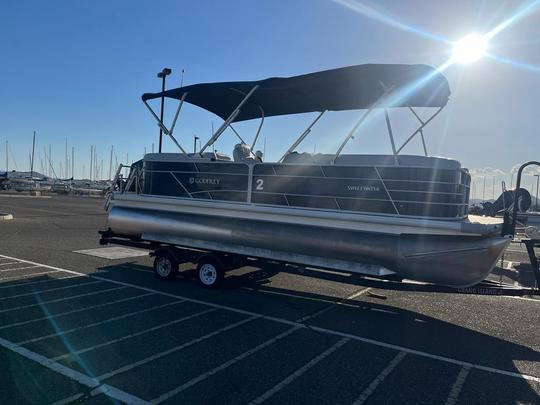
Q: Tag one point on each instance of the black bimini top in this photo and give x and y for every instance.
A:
(349, 88)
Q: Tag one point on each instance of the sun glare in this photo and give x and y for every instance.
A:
(469, 49)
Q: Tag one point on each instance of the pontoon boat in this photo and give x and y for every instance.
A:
(369, 214)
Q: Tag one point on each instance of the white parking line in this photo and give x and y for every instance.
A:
(278, 387)
(132, 335)
(342, 302)
(61, 299)
(74, 311)
(328, 301)
(458, 385)
(293, 323)
(6, 263)
(39, 282)
(174, 349)
(18, 268)
(525, 298)
(72, 374)
(50, 289)
(24, 276)
(379, 379)
(427, 355)
(221, 367)
(91, 325)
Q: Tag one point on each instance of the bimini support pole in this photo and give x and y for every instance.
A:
(178, 112)
(302, 136)
(351, 133)
(227, 122)
(163, 127)
(390, 133)
(160, 124)
(376, 104)
(177, 144)
(236, 133)
(258, 130)
(420, 128)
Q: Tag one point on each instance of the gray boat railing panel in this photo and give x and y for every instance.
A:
(368, 189)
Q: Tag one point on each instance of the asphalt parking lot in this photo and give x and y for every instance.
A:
(85, 329)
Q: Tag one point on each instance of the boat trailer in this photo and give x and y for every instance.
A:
(213, 265)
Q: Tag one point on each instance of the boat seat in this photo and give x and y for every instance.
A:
(242, 153)
(373, 160)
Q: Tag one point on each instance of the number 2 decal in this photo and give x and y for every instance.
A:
(260, 183)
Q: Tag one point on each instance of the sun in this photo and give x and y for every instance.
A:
(469, 49)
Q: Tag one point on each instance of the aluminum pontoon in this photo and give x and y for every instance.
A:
(370, 214)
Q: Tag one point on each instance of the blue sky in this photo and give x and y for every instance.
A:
(76, 69)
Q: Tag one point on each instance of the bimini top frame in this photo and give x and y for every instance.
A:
(362, 87)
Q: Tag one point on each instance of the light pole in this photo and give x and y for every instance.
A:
(162, 75)
(537, 182)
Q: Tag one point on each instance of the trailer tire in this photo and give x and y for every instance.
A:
(165, 266)
(210, 272)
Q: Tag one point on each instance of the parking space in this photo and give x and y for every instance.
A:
(94, 328)
(109, 338)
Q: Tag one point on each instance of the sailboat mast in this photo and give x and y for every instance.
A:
(110, 163)
(66, 159)
(95, 163)
(33, 150)
(72, 162)
(91, 160)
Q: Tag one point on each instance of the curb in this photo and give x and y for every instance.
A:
(5, 217)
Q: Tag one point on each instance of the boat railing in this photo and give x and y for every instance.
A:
(432, 191)
(123, 183)
(133, 182)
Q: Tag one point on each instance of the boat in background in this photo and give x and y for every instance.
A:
(370, 214)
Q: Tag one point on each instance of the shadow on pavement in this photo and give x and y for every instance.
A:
(372, 320)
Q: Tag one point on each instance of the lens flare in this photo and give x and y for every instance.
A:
(469, 49)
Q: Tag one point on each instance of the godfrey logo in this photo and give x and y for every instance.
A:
(203, 180)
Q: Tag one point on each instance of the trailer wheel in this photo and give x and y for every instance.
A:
(210, 272)
(165, 266)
